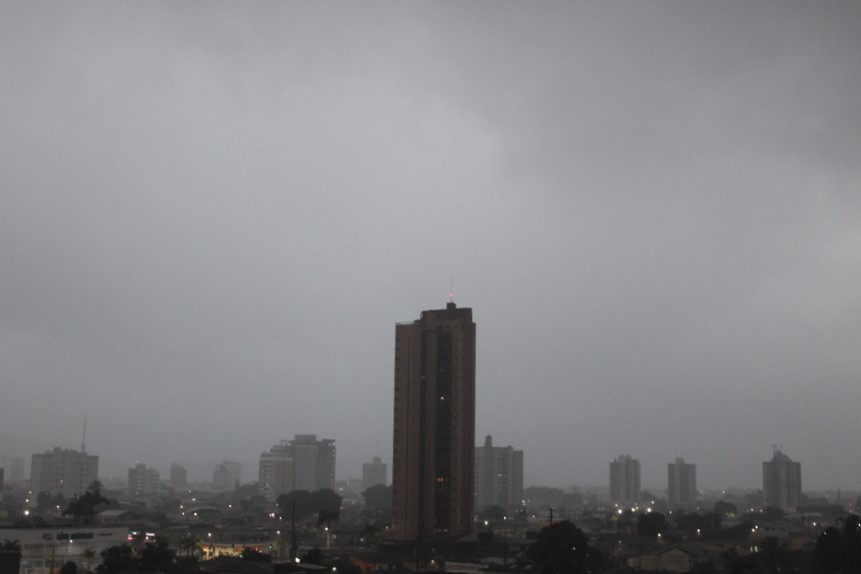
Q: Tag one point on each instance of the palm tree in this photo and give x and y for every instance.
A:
(10, 545)
(10, 556)
(88, 555)
(190, 544)
(157, 555)
(83, 508)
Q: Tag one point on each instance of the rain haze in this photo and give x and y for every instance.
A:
(212, 215)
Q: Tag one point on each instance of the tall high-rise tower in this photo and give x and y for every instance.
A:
(781, 481)
(625, 480)
(681, 485)
(434, 430)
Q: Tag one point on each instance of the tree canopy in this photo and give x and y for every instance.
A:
(839, 551)
(249, 554)
(378, 498)
(699, 524)
(116, 559)
(724, 508)
(543, 495)
(83, 508)
(313, 556)
(309, 503)
(299, 501)
(651, 524)
(327, 499)
(563, 549)
(327, 517)
(157, 556)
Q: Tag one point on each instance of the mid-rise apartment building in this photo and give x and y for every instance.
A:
(63, 471)
(498, 475)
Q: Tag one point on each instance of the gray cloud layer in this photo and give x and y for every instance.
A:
(213, 214)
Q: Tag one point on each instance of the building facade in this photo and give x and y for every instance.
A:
(434, 426)
(498, 475)
(681, 485)
(226, 476)
(142, 480)
(276, 471)
(14, 469)
(374, 473)
(63, 471)
(781, 481)
(303, 463)
(313, 462)
(45, 549)
(625, 480)
(178, 476)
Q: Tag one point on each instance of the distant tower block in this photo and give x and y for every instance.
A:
(781, 481)
(681, 485)
(374, 473)
(498, 476)
(625, 480)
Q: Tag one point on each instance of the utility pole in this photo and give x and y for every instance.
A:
(293, 530)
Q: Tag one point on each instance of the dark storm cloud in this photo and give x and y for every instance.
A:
(213, 214)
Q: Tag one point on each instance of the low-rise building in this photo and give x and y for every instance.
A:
(42, 547)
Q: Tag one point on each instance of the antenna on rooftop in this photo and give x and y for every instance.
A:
(451, 291)
(84, 439)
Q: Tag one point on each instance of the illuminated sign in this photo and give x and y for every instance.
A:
(75, 536)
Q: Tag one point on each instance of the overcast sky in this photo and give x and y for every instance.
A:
(213, 214)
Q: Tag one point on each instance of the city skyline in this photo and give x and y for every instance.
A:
(206, 469)
(211, 217)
